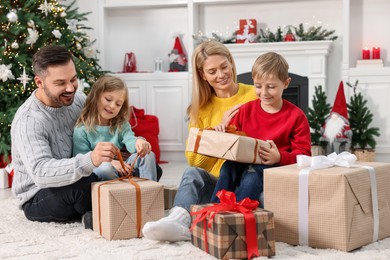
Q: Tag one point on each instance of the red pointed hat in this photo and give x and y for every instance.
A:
(340, 103)
(178, 46)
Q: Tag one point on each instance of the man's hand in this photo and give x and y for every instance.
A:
(143, 147)
(103, 152)
(269, 156)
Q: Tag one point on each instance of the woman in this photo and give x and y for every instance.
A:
(216, 97)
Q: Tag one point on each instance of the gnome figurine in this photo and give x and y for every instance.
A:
(177, 58)
(336, 130)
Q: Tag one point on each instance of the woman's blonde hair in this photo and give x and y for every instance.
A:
(270, 63)
(90, 115)
(201, 89)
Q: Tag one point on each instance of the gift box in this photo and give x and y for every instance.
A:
(120, 208)
(247, 31)
(169, 196)
(226, 146)
(226, 237)
(3, 179)
(336, 207)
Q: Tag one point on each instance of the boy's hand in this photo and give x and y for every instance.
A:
(143, 147)
(117, 165)
(269, 156)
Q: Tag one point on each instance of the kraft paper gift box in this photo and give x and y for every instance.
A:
(338, 207)
(169, 196)
(227, 237)
(226, 146)
(118, 207)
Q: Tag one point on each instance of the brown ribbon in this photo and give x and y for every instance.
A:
(231, 129)
(129, 177)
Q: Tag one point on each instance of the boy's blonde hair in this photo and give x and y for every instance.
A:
(90, 115)
(270, 63)
(201, 89)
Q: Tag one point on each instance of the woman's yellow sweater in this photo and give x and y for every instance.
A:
(211, 115)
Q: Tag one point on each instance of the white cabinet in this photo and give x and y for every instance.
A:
(148, 27)
(166, 96)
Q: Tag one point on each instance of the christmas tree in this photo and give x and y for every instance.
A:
(360, 119)
(317, 114)
(26, 26)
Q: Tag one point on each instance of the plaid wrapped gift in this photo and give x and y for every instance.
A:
(169, 196)
(228, 146)
(330, 201)
(122, 206)
(233, 230)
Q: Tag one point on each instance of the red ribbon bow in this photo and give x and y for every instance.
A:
(228, 203)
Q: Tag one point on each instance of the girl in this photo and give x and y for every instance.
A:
(105, 117)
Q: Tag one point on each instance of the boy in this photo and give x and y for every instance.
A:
(270, 118)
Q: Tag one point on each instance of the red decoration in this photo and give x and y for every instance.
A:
(376, 53)
(289, 37)
(247, 32)
(229, 203)
(366, 54)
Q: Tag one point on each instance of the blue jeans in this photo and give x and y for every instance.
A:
(245, 180)
(196, 187)
(144, 167)
(60, 204)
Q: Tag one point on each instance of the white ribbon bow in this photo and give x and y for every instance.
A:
(307, 164)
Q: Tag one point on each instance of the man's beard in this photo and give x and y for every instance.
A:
(333, 128)
(55, 99)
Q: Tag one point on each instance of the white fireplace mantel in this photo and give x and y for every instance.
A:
(305, 58)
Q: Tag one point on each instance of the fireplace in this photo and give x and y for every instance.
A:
(297, 92)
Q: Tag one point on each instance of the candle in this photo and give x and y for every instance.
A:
(366, 54)
(376, 53)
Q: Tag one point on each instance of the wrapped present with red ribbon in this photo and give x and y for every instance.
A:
(230, 145)
(233, 230)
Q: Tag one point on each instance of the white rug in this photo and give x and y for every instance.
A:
(24, 239)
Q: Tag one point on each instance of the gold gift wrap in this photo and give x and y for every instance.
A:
(340, 205)
(118, 207)
(226, 238)
(226, 146)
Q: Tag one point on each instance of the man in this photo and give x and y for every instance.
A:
(336, 130)
(50, 185)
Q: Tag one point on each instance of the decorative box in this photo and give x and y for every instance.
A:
(247, 31)
(169, 196)
(337, 207)
(226, 237)
(3, 179)
(120, 211)
(226, 146)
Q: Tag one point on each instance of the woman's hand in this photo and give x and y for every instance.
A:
(269, 155)
(143, 147)
(117, 165)
(227, 117)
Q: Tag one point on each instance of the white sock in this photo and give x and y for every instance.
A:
(174, 227)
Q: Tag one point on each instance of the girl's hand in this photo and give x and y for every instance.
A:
(269, 156)
(117, 165)
(143, 147)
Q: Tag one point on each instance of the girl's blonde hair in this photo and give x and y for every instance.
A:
(201, 89)
(270, 63)
(90, 115)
